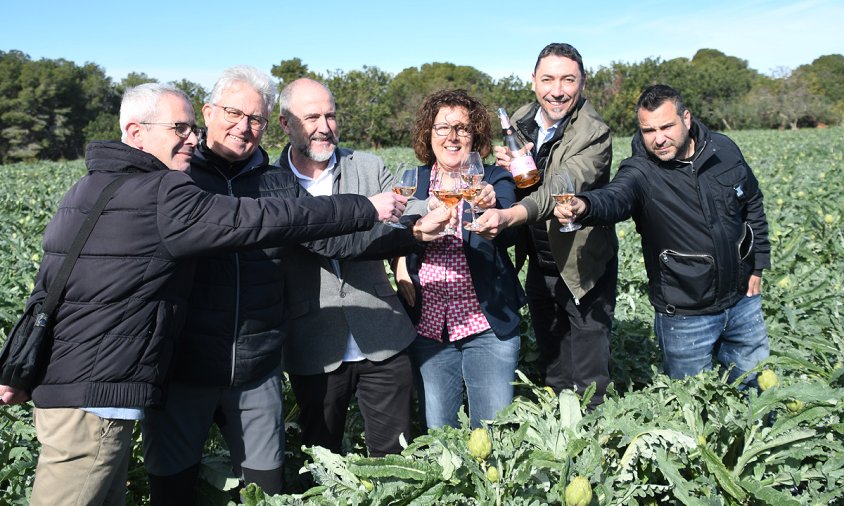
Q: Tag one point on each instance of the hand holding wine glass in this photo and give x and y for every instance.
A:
(472, 172)
(448, 189)
(404, 184)
(485, 198)
(563, 194)
(388, 206)
(568, 212)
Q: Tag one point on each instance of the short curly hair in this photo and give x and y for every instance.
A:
(479, 123)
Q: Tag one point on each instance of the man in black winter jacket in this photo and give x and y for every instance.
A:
(116, 326)
(698, 208)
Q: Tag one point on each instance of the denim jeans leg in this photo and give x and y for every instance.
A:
(489, 369)
(687, 342)
(439, 366)
(744, 342)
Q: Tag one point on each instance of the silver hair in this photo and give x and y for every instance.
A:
(140, 103)
(286, 95)
(262, 83)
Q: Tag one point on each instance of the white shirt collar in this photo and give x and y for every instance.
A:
(324, 184)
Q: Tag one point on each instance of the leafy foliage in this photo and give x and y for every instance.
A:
(49, 109)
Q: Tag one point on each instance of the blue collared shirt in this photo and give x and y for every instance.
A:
(543, 134)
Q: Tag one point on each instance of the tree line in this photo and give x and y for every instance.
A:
(50, 108)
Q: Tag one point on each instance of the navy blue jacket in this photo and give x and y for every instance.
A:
(493, 274)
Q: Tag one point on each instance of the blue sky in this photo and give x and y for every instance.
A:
(171, 40)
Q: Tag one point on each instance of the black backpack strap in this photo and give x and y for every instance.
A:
(57, 287)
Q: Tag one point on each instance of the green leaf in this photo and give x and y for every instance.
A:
(725, 479)
(395, 466)
(218, 472)
(768, 495)
(750, 454)
(681, 487)
(569, 405)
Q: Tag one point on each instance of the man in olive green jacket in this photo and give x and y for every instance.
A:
(571, 278)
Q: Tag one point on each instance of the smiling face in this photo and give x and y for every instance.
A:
(558, 84)
(161, 141)
(234, 141)
(451, 149)
(311, 123)
(665, 133)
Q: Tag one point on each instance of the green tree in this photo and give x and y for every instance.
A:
(788, 102)
(134, 79)
(825, 77)
(289, 70)
(510, 93)
(361, 105)
(12, 135)
(286, 71)
(103, 106)
(197, 94)
(718, 83)
(47, 104)
(410, 87)
(614, 91)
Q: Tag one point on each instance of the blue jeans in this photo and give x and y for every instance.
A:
(486, 365)
(735, 336)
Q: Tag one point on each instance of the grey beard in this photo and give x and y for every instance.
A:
(320, 157)
(305, 148)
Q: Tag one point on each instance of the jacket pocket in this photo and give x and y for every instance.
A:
(140, 348)
(732, 189)
(745, 244)
(687, 280)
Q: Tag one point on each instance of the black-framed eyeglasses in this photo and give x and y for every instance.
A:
(444, 130)
(233, 115)
(183, 130)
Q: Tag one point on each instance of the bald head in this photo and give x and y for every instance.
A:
(301, 90)
(309, 118)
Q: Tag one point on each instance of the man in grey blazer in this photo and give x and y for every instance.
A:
(348, 331)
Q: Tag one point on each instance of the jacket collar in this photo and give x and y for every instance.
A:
(114, 156)
(205, 159)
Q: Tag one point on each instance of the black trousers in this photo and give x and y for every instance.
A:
(384, 393)
(573, 339)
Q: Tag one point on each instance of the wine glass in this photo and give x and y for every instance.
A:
(472, 171)
(404, 184)
(448, 189)
(481, 186)
(563, 193)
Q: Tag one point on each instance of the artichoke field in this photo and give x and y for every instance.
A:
(701, 440)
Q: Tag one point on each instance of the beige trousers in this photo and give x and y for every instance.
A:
(84, 459)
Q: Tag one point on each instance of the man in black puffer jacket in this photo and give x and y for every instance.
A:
(698, 208)
(115, 329)
(227, 366)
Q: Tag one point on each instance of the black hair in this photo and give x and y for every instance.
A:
(656, 95)
(561, 49)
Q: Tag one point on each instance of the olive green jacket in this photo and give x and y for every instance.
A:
(585, 152)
